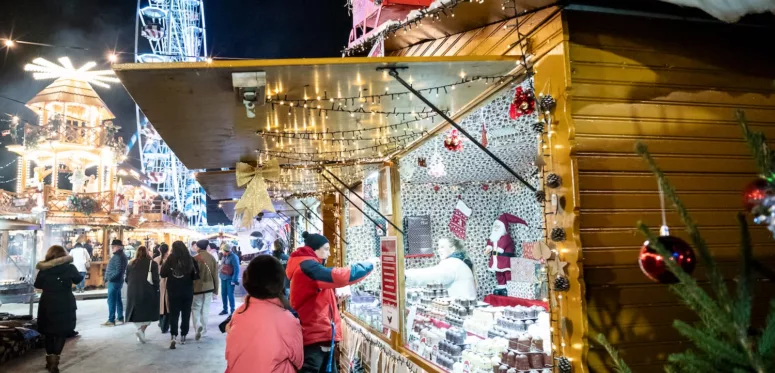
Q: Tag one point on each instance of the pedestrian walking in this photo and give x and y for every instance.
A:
(313, 297)
(82, 262)
(180, 270)
(56, 308)
(204, 288)
(164, 304)
(264, 317)
(114, 278)
(279, 253)
(229, 275)
(142, 279)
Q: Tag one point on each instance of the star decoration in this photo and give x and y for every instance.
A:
(556, 267)
(45, 69)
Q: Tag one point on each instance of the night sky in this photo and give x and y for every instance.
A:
(86, 30)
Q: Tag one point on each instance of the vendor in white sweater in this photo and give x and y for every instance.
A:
(455, 271)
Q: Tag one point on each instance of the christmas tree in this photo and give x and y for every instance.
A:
(723, 340)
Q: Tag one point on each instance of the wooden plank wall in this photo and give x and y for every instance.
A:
(674, 85)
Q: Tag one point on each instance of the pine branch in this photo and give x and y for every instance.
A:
(745, 281)
(716, 279)
(712, 347)
(762, 155)
(689, 362)
(619, 365)
(767, 340)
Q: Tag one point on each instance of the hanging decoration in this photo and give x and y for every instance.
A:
(558, 234)
(256, 198)
(459, 220)
(547, 102)
(755, 193)
(553, 180)
(538, 127)
(653, 265)
(82, 204)
(540, 196)
(564, 365)
(485, 187)
(484, 141)
(437, 168)
(453, 142)
(524, 103)
(561, 283)
(422, 162)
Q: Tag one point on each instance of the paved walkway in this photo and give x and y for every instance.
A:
(115, 349)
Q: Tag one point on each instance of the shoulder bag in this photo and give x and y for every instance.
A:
(149, 276)
(87, 257)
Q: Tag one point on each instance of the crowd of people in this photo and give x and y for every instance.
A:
(290, 300)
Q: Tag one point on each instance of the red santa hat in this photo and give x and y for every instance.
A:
(507, 219)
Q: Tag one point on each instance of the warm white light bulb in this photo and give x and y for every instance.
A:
(9, 43)
(113, 58)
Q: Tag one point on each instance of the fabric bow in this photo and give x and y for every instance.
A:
(256, 198)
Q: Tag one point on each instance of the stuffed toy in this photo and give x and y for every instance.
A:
(500, 248)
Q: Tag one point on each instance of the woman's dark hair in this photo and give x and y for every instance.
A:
(142, 253)
(54, 252)
(265, 279)
(180, 259)
(212, 246)
(156, 251)
(164, 249)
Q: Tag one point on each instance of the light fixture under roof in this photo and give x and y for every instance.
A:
(45, 69)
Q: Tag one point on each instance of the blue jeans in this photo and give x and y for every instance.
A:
(227, 293)
(115, 304)
(81, 284)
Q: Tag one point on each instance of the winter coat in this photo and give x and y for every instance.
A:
(249, 328)
(56, 309)
(142, 298)
(179, 285)
(164, 302)
(116, 267)
(284, 261)
(80, 258)
(312, 293)
(208, 275)
(232, 259)
(452, 272)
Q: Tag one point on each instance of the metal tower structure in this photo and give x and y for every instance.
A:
(174, 31)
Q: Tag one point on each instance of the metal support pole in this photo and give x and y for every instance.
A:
(360, 198)
(356, 206)
(393, 71)
(305, 217)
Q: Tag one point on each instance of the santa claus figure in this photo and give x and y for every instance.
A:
(500, 248)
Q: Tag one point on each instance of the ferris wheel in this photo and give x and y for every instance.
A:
(169, 31)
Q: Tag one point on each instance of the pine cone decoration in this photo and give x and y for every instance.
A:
(553, 180)
(561, 283)
(558, 234)
(547, 102)
(563, 365)
(538, 127)
(540, 196)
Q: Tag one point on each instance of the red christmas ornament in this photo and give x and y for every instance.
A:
(485, 187)
(436, 188)
(524, 103)
(453, 142)
(755, 192)
(653, 265)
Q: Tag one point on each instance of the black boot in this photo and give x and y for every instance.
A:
(52, 363)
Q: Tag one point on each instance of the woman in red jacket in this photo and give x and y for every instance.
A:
(313, 298)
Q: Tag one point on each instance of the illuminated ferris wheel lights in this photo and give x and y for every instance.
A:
(45, 69)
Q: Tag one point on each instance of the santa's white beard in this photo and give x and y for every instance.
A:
(494, 239)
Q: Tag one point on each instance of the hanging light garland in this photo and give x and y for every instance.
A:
(313, 135)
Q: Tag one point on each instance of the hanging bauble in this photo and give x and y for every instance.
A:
(547, 102)
(561, 283)
(553, 180)
(484, 141)
(654, 267)
(538, 127)
(558, 234)
(524, 103)
(564, 365)
(540, 196)
(453, 142)
(755, 193)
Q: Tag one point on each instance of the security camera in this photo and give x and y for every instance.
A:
(251, 89)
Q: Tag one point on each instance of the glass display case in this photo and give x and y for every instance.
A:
(19, 253)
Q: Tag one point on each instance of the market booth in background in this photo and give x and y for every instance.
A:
(477, 122)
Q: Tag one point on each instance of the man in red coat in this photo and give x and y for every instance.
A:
(500, 248)
(313, 298)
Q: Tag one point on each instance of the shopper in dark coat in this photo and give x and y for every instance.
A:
(180, 270)
(56, 309)
(142, 306)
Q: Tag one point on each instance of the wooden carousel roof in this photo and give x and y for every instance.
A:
(70, 91)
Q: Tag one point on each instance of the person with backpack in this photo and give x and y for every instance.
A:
(229, 275)
(203, 287)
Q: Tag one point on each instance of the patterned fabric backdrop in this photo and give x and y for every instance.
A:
(363, 239)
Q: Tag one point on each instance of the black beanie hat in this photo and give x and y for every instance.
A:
(202, 244)
(314, 240)
(264, 277)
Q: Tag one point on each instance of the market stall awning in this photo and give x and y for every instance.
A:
(17, 225)
(311, 111)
